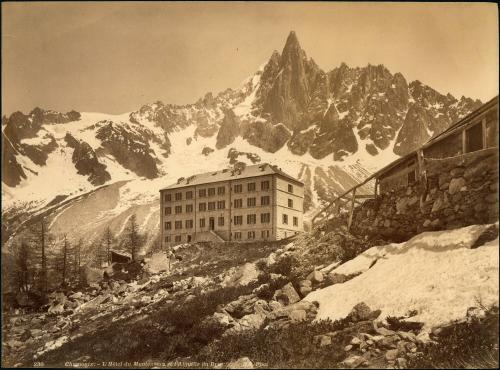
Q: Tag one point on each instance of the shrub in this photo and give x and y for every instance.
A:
(172, 331)
(291, 346)
(398, 323)
(471, 344)
(284, 266)
(270, 286)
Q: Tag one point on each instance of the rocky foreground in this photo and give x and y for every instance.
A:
(270, 306)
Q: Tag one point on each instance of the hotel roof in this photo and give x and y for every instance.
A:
(231, 174)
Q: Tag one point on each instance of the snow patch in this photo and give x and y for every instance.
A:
(435, 273)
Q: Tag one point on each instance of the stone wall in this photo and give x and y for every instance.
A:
(459, 191)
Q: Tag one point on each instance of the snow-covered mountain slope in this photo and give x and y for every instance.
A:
(330, 130)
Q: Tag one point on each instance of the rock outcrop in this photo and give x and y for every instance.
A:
(86, 161)
(229, 130)
(129, 146)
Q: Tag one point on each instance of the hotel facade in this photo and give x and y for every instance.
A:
(258, 202)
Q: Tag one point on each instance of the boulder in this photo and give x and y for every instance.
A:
(353, 361)
(361, 312)
(391, 354)
(402, 363)
(35, 333)
(286, 295)
(315, 276)
(244, 305)
(252, 321)
(335, 278)
(223, 319)
(56, 308)
(143, 281)
(456, 184)
(305, 283)
(241, 363)
(322, 340)
(298, 315)
(355, 341)
(274, 305)
(241, 276)
(77, 295)
(385, 332)
(305, 290)
(408, 336)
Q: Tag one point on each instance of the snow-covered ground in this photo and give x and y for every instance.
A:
(435, 273)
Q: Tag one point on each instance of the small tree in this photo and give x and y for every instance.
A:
(23, 273)
(64, 261)
(77, 256)
(38, 238)
(109, 240)
(98, 253)
(133, 238)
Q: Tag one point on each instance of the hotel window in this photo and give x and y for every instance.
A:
(238, 203)
(295, 221)
(474, 138)
(290, 188)
(211, 192)
(168, 210)
(202, 207)
(178, 209)
(189, 224)
(221, 204)
(285, 219)
(264, 201)
(211, 206)
(237, 236)
(167, 239)
(168, 197)
(189, 208)
(178, 225)
(178, 238)
(251, 219)
(238, 220)
(221, 221)
(238, 188)
(189, 195)
(178, 196)
(202, 193)
(265, 218)
(221, 190)
(264, 185)
(251, 186)
(251, 202)
(168, 225)
(251, 235)
(202, 222)
(290, 203)
(264, 233)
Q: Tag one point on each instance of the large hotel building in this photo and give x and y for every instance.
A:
(258, 202)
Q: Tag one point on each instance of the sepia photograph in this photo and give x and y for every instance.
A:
(250, 184)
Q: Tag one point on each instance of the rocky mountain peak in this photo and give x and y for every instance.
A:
(292, 47)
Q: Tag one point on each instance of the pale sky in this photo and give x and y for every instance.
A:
(115, 57)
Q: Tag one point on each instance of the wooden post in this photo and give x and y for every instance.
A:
(376, 188)
(351, 211)
(419, 163)
(483, 123)
(464, 142)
